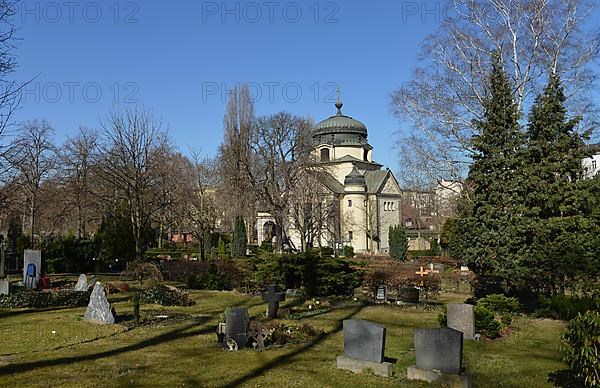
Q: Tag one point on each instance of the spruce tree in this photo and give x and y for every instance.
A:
(491, 225)
(238, 244)
(556, 222)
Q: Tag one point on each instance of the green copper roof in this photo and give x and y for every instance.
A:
(340, 124)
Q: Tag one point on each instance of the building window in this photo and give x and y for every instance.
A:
(349, 203)
(350, 235)
(385, 206)
(324, 154)
(593, 165)
(366, 155)
(393, 206)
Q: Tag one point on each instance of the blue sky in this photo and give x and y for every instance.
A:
(179, 59)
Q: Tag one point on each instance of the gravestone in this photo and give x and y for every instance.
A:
(273, 296)
(82, 284)
(462, 318)
(438, 354)
(31, 275)
(99, 310)
(237, 321)
(364, 346)
(4, 287)
(381, 294)
(408, 295)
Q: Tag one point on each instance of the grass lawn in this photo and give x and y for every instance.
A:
(56, 347)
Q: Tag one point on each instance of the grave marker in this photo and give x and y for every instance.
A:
(462, 318)
(32, 266)
(273, 296)
(82, 284)
(99, 310)
(237, 321)
(364, 346)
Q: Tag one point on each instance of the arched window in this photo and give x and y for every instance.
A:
(324, 154)
(366, 155)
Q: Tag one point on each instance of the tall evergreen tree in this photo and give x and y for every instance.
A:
(238, 244)
(398, 242)
(492, 221)
(556, 222)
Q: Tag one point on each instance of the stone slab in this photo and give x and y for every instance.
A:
(364, 340)
(384, 369)
(237, 321)
(450, 380)
(4, 287)
(462, 318)
(439, 349)
(32, 256)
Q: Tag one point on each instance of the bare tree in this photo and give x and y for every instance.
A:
(204, 209)
(235, 156)
(78, 158)
(535, 38)
(131, 156)
(34, 159)
(282, 150)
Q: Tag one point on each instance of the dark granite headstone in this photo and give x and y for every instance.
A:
(82, 284)
(408, 295)
(364, 340)
(273, 296)
(439, 349)
(99, 310)
(237, 321)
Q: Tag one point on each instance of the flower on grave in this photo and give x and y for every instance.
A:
(54, 332)
(317, 302)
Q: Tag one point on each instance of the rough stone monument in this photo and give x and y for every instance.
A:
(82, 284)
(273, 296)
(31, 256)
(462, 318)
(364, 346)
(439, 357)
(99, 310)
(237, 321)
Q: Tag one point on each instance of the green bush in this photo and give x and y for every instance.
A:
(581, 352)
(500, 304)
(165, 296)
(37, 299)
(211, 279)
(348, 251)
(266, 246)
(566, 307)
(320, 276)
(486, 323)
(326, 252)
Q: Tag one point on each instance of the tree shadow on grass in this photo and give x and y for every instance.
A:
(159, 339)
(10, 313)
(287, 357)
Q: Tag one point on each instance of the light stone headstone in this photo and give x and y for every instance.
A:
(364, 340)
(462, 318)
(82, 284)
(439, 349)
(4, 287)
(99, 310)
(32, 256)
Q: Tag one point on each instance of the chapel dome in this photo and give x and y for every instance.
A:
(340, 129)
